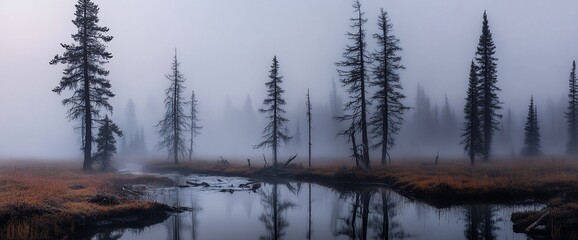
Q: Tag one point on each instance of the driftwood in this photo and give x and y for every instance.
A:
(289, 161)
(223, 161)
(265, 159)
(533, 225)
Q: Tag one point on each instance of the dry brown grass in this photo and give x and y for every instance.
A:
(453, 181)
(40, 200)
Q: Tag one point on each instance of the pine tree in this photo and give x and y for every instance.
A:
(175, 123)
(389, 110)
(195, 127)
(353, 72)
(275, 132)
(572, 113)
(85, 74)
(106, 143)
(532, 132)
(308, 105)
(472, 136)
(488, 78)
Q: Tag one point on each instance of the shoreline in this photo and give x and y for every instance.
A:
(58, 200)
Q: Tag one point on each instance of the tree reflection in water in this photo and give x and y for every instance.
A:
(273, 213)
(365, 213)
(481, 222)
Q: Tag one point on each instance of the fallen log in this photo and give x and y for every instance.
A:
(289, 161)
(537, 222)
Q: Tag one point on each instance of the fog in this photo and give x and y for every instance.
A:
(226, 47)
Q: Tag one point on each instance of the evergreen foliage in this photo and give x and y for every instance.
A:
(175, 122)
(195, 127)
(572, 113)
(275, 132)
(106, 143)
(388, 117)
(472, 136)
(488, 78)
(532, 132)
(84, 74)
(353, 73)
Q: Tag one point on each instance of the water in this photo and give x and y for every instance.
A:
(290, 210)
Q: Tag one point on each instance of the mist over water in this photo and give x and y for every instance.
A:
(225, 50)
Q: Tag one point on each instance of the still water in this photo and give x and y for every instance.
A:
(293, 210)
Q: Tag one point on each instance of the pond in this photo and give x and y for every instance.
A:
(294, 210)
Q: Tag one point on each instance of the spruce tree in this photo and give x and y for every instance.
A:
(353, 72)
(106, 143)
(488, 78)
(195, 127)
(275, 132)
(175, 122)
(472, 136)
(532, 132)
(572, 113)
(84, 74)
(308, 105)
(389, 110)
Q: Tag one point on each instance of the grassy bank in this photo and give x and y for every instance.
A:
(49, 200)
(502, 180)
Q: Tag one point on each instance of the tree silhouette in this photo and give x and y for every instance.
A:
(308, 105)
(389, 115)
(84, 74)
(472, 136)
(106, 143)
(274, 133)
(175, 122)
(488, 78)
(572, 113)
(273, 215)
(195, 127)
(353, 72)
(532, 132)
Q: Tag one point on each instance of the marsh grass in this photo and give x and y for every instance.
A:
(46, 200)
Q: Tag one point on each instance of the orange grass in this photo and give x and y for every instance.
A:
(34, 195)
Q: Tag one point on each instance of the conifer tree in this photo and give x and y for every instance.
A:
(84, 74)
(195, 127)
(572, 113)
(106, 143)
(308, 105)
(488, 78)
(532, 132)
(388, 117)
(353, 72)
(472, 136)
(175, 122)
(275, 132)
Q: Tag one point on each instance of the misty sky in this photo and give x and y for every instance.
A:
(226, 47)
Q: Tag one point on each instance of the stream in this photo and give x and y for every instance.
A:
(223, 208)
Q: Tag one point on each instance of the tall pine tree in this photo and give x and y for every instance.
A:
(488, 78)
(389, 110)
(195, 127)
(572, 113)
(353, 72)
(532, 132)
(84, 74)
(175, 122)
(106, 143)
(472, 135)
(275, 132)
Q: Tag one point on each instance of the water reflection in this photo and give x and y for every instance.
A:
(480, 222)
(283, 211)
